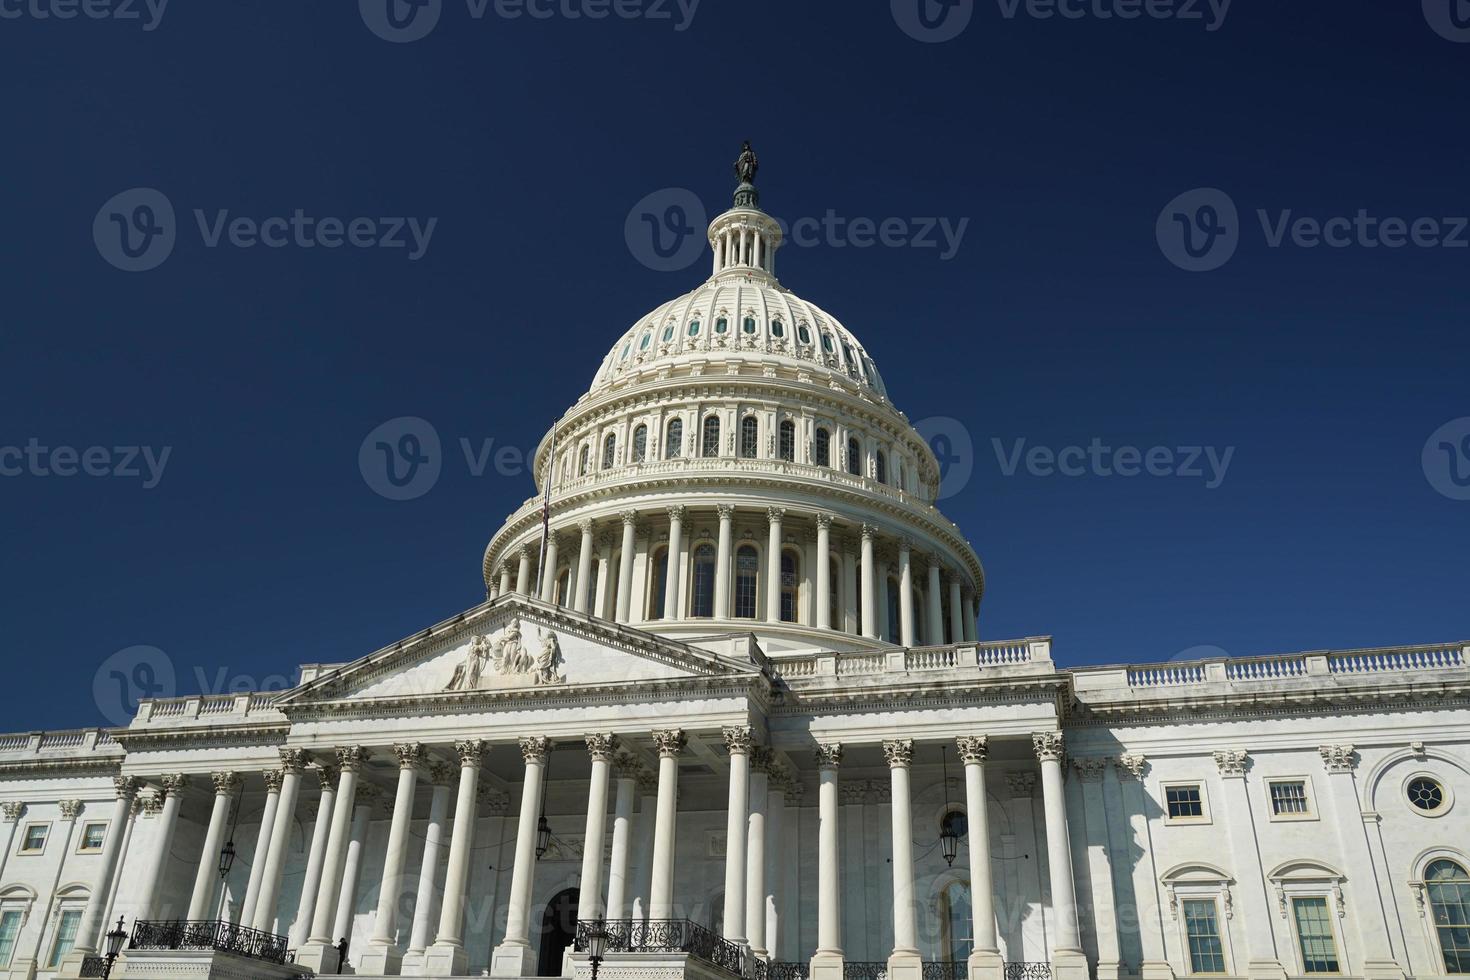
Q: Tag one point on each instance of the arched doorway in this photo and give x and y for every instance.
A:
(558, 929)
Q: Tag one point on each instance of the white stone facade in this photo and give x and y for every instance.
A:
(748, 698)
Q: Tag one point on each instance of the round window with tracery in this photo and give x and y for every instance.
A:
(1425, 794)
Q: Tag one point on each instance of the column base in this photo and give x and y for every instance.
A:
(1265, 970)
(380, 959)
(413, 963)
(1109, 970)
(826, 966)
(1382, 970)
(1155, 970)
(905, 965)
(445, 960)
(317, 956)
(71, 963)
(513, 960)
(986, 965)
(1069, 964)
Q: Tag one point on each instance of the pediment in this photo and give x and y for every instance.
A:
(518, 646)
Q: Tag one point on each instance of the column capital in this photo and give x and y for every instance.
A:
(1048, 746)
(1021, 784)
(585, 525)
(670, 742)
(471, 752)
(829, 755)
(272, 779)
(972, 748)
(726, 512)
(737, 739)
(294, 760)
(606, 539)
(1338, 758)
(496, 801)
(602, 746)
(1090, 770)
(899, 752)
(905, 546)
(441, 774)
(647, 783)
(1133, 763)
(676, 513)
(775, 515)
(351, 758)
(854, 792)
(625, 765)
(869, 531)
(524, 552)
(12, 811)
(70, 809)
(126, 787)
(1232, 762)
(174, 783)
(411, 755)
(760, 759)
(534, 749)
(553, 538)
(629, 518)
(824, 521)
(327, 774)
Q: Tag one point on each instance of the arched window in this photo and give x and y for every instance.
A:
(854, 457)
(786, 442)
(957, 920)
(895, 634)
(710, 446)
(702, 601)
(640, 444)
(674, 441)
(880, 466)
(647, 339)
(749, 325)
(657, 596)
(777, 329)
(824, 447)
(790, 582)
(582, 460)
(668, 333)
(944, 622)
(857, 612)
(609, 449)
(750, 437)
(694, 328)
(721, 325)
(803, 334)
(747, 568)
(1449, 898)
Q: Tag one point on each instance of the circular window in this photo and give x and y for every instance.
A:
(647, 339)
(694, 328)
(827, 343)
(1425, 794)
(749, 325)
(777, 330)
(721, 325)
(668, 333)
(803, 334)
(954, 823)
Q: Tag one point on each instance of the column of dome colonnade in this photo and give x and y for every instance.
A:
(682, 562)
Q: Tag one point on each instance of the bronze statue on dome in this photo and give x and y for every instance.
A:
(747, 165)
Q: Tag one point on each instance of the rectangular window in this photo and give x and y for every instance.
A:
(1186, 802)
(66, 935)
(1202, 926)
(9, 931)
(93, 836)
(1289, 798)
(1314, 933)
(34, 841)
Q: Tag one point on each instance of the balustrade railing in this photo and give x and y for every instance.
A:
(782, 971)
(864, 970)
(1409, 658)
(225, 937)
(93, 966)
(1027, 971)
(665, 936)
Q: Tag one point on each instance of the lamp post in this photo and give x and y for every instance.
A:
(114, 946)
(596, 944)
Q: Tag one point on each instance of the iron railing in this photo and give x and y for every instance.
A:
(781, 971)
(1019, 970)
(864, 970)
(666, 936)
(946, 971)
(93, 966)
(226, 937)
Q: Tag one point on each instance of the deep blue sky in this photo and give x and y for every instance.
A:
(1059, 320)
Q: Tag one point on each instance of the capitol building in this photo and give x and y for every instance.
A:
(726, 714)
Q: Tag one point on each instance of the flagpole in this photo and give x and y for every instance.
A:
(546, 512)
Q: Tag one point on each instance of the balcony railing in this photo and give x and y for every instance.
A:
(781, 971)
(93, 966)
(225, 937)
(1028, 971)
(666, 936)
(864, 970)
(946, 971)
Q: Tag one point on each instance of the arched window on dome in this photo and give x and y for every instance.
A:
(778, 329)
(854, 457)
(668, 333)
(750, 437)
(722, 325)
(674, 439)
(803, 334)
(710, 443)
(657, 595)
(895, 634)
(640, 444)
(786, 443)
(827, 344)
(702, 583)
(647, 339)
(790, 583)
(880, 466)
(1448, 886)
(824, 447)
(747, 569)
(582, 459)
(694, 328)
(609, 450)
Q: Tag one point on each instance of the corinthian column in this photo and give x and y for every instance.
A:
(905, 594)
(661, 883)
(672, 609)
(312, 883)
(1260, 936)
(89, 931)
(261, 857)
(936, 606)
(589, 894)
(773, 565)
(319, 950)
(985, 962)
(625, 566)
(201, 900)
(827, 963)
(446, 958)
(523, 570)
(870, 584)
(423, 907)
(548, 568)
(382, 956)
(626, 768)
(722, 562)
(824, 571)
(514, 957)
(956, 610)
(173, 786)
(904, 963)
(584, 568)
(1068, 961)
(292, 762)
(737, 740)
(755, 851)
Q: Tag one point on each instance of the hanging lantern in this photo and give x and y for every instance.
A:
(226, 858)
(543, 836)
(949, 840)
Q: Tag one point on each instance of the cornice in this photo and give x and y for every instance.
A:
(1048, 689)
(145, 739)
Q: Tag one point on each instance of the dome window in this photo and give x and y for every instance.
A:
(749, 325)
(787, 448)
(640, 444)
(668, 333)
(702, 601)
(824, 447)
(777, 329)
(694, 328)
(627, 349)
(789, 585)
(747, 569)
(647, 339)
(750, 437)
(803, 334)
(880, 467)
(711, 442)
(582, 461)
(827, 344)
(609, 450)
(721, 325)
(854, 457)
(674, 440)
